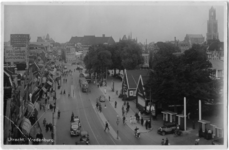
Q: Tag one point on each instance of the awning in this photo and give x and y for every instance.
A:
(44, 80)
(26, 126)
(50, 83)
(44, 89)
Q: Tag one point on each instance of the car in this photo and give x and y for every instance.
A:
(167, 129)
(102, 98)
(218, 141)
(74, 63)
(118, 76)
(75, 127)
(79, 68)
(84, 138)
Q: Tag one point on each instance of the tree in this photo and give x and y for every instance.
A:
(187, 76)
(131, 55)
(98, 59)
(115, 51)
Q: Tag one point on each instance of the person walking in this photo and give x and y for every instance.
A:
(162, 142)
(167, 141)
(146, 124)
(106, 127)
(109, 98)
(115, 104)
(97, 105)
(47, 127)
(142, 121)
(44, 122)
(124, 120)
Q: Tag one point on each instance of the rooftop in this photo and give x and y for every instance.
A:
(133, 76)
(217, 64)
(92, 40)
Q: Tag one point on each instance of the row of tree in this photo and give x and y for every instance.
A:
(125, 54)
(189, 75)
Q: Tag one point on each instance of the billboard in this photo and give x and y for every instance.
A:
(19, 40)
(13, 54)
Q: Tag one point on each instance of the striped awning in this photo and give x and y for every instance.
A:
(26, 126)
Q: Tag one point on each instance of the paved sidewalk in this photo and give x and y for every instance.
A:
(189, 135)
(114, 97)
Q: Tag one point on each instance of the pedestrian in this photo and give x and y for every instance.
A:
(162, 142)
(44, 122)
(127, 110)
(166, 141)
(117, 92)
(106, 127)
(146, 124)
(142, 121)
(47, 127)
(115, 104)
(124, 120)
(97, 105)
(52, 135)
(125, 103)
(149, 124)
(109, 98)
(45, 100)
(122, 108)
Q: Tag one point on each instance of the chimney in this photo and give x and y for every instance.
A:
(103, 35)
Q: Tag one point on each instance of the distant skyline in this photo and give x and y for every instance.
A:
(151, 21)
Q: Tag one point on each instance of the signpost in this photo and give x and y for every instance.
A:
(19, 40)
(13, 54)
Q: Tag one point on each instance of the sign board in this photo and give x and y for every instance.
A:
(19, 40)
(13, 54)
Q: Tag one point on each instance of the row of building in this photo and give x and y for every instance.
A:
(26, 84)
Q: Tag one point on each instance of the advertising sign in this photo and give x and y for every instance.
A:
(19, 40)
(13, 54)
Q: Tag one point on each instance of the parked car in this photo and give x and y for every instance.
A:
(218, 141)
(84, 138)
(102, 98)
(167, 129)
(74, 63)
(75, 127)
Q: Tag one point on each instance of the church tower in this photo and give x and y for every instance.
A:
(212, 28)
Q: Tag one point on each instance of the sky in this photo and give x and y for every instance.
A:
(151, 21)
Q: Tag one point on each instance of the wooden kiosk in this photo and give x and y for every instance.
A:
(216, 131)
(169, 117)
(180, 121)
(204, 126)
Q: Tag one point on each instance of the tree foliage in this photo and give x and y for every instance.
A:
(188, 75)
(131, 55)
(125, 54)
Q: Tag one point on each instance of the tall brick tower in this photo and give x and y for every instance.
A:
(212, 29)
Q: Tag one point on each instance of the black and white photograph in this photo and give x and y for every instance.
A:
(114, 74)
